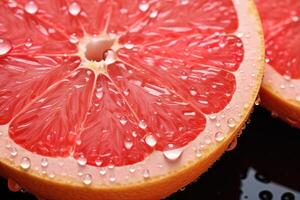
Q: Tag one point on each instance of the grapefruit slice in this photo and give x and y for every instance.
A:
(123, 99)
(280, 91)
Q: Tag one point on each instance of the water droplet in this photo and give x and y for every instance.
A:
(31, 7)
(184, 76)
(173, 155)
(12, 3)
(144, 6)
(193, 92)
(184, 2)
(8, 145)
(126, 92)
(109, 57)
(207, 140)
(78, 141)
(134, 134)
(212, 117)
(298, 98)
(231, 123)
(73, 39)
(5, 47)
(13, 152)
(128, 45)
(87, 179)
(267, 60)
(111, 166)
(25, 163)
(28, 43)
(74, 8)
(99, 94)
(128, 144)
(295, 18)
(288, 196)
(82, 161)
(198, 152)
(265, 195)
(153, 14)
(189, 113)
(146, 173)
(123, 120)
(98, 162)
(112, 178)
(287, 76)
(132, 169)
(102, 171)
(44, 162)
(219, 136)
(239, 44)
(80, 173)
(151, 140)
(142, 124)
(232, 145)
(51, 175)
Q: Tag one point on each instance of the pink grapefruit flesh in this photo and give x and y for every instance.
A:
(123, 96)
(281, 85)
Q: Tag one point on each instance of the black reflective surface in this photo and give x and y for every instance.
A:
(264, 166)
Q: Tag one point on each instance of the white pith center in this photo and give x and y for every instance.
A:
(97, 52)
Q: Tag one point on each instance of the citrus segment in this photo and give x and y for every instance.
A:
(193, 66)
(50, 124)
(23, 78)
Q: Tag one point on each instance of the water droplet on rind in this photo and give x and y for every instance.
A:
(87, 179)
(82, 161)
(198, 152)
(173, 155)
(298, 98)
(44, 162)
(146, 173)
(219, 136)
(132, 169)
(13, 152)
(112, 178)
(102, 171)
(25, 163)
(231, 123)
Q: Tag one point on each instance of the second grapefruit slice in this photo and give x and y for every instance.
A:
(118, 99)
(281, 86)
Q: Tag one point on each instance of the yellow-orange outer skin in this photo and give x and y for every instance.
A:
(152, 189)
(287, 110)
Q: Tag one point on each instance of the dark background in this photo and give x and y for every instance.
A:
(264, 166)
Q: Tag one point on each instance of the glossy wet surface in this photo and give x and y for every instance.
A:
(190, 47)
(264, 166)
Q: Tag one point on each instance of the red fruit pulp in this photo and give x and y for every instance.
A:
(174, 64)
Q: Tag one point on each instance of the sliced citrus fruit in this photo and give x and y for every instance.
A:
(281, 86)
(123, 99)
